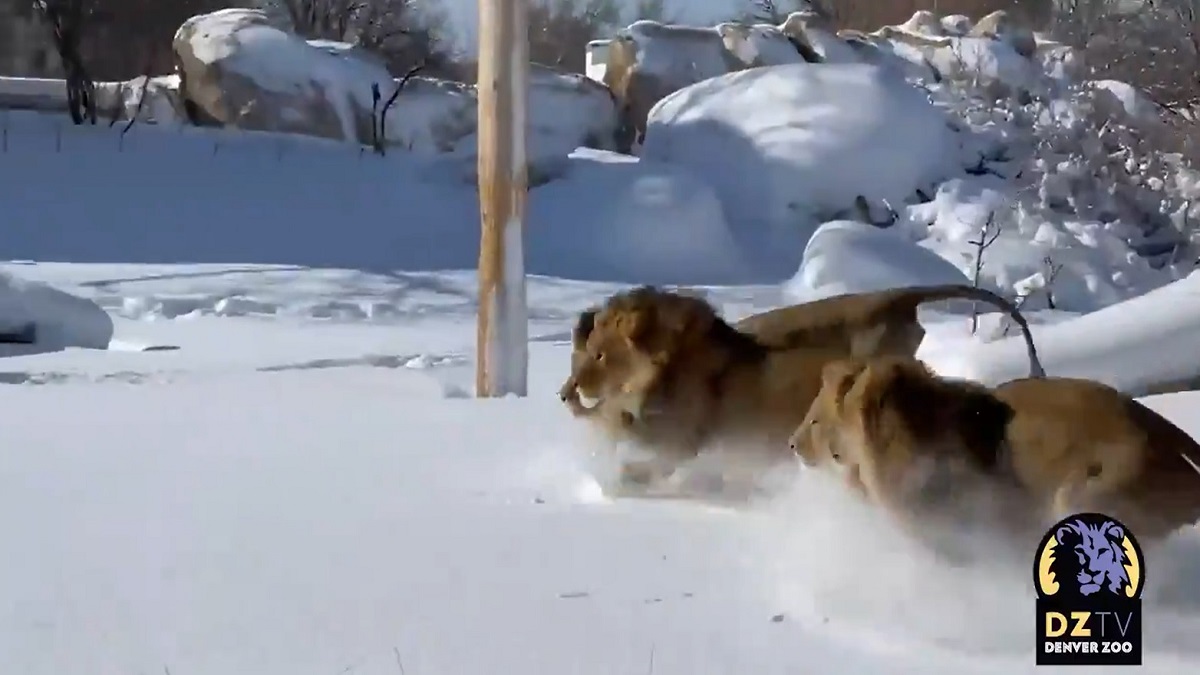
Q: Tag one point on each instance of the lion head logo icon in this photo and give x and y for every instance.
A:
(1089, 555)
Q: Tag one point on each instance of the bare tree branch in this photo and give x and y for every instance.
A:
(381, 136)
(987, 236)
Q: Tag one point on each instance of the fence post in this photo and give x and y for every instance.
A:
(502, 347)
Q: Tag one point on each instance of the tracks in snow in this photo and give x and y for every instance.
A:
(415, 362)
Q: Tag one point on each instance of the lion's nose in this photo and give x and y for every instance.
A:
(562, 396)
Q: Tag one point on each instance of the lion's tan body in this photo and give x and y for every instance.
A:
(692, 405)
(673, 377)
(1056, 445)
(855, 324)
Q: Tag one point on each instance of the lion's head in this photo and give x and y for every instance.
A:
(820, 438)
(895, 408)
(625, 351)
(569, 393)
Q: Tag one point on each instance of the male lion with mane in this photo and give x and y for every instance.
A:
(857, 324)
(665, 371)
(916, 443)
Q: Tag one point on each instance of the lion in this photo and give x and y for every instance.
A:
(912, 441)
(858, 324)
(666, 371)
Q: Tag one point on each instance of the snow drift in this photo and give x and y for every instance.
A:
(847, 256)
(50, 318)
(789, 146)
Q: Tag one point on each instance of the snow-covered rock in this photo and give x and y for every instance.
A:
(788, 147)
(431, 116)
(1000, 25)
(988, 61)
(239, 69)
(648, 60)
(847, 256)
(817, 33)
(1133, 101)
(956, 25)
(156, 99)
(638, 219)
(54, 319)
(567, 111)
(758, 44)
(996, 52)
(242, 70)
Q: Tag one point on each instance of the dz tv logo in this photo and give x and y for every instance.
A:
(1089, 575)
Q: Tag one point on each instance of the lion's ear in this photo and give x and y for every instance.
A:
(839, 376)
(637, 327)
(583, 328)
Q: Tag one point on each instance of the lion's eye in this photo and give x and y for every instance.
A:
(599, 356)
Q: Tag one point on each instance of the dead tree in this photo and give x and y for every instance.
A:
(67, 20)
(379, 133)
(987, 236)
(1049, 273)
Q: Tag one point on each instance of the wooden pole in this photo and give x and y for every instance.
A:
(502, 348)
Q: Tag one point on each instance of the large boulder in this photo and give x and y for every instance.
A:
(997, 52)
(1002, 26)
(151, 99)
(649, 60)
(568, 111)
(565, 111)
(238, 68)
(847, 256)
(789, 147)
(431, 116)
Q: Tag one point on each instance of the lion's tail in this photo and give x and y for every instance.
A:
(921, 295)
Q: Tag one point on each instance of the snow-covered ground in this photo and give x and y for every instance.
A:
(246, 440)
(303, 487)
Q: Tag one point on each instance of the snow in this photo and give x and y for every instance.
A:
(829, 47)
(878, 257)
(677, 53)
(294, 495)
(61, 319)
(807, 133)
(305, 485)
(242, 42)
(1130, 345)
(760, 44)
(988, 59)
(429, 116)
(611, 218)
(1135, 102)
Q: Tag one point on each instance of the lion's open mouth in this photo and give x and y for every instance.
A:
(588, 402)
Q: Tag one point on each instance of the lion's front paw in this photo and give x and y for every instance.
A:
(641, 474)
